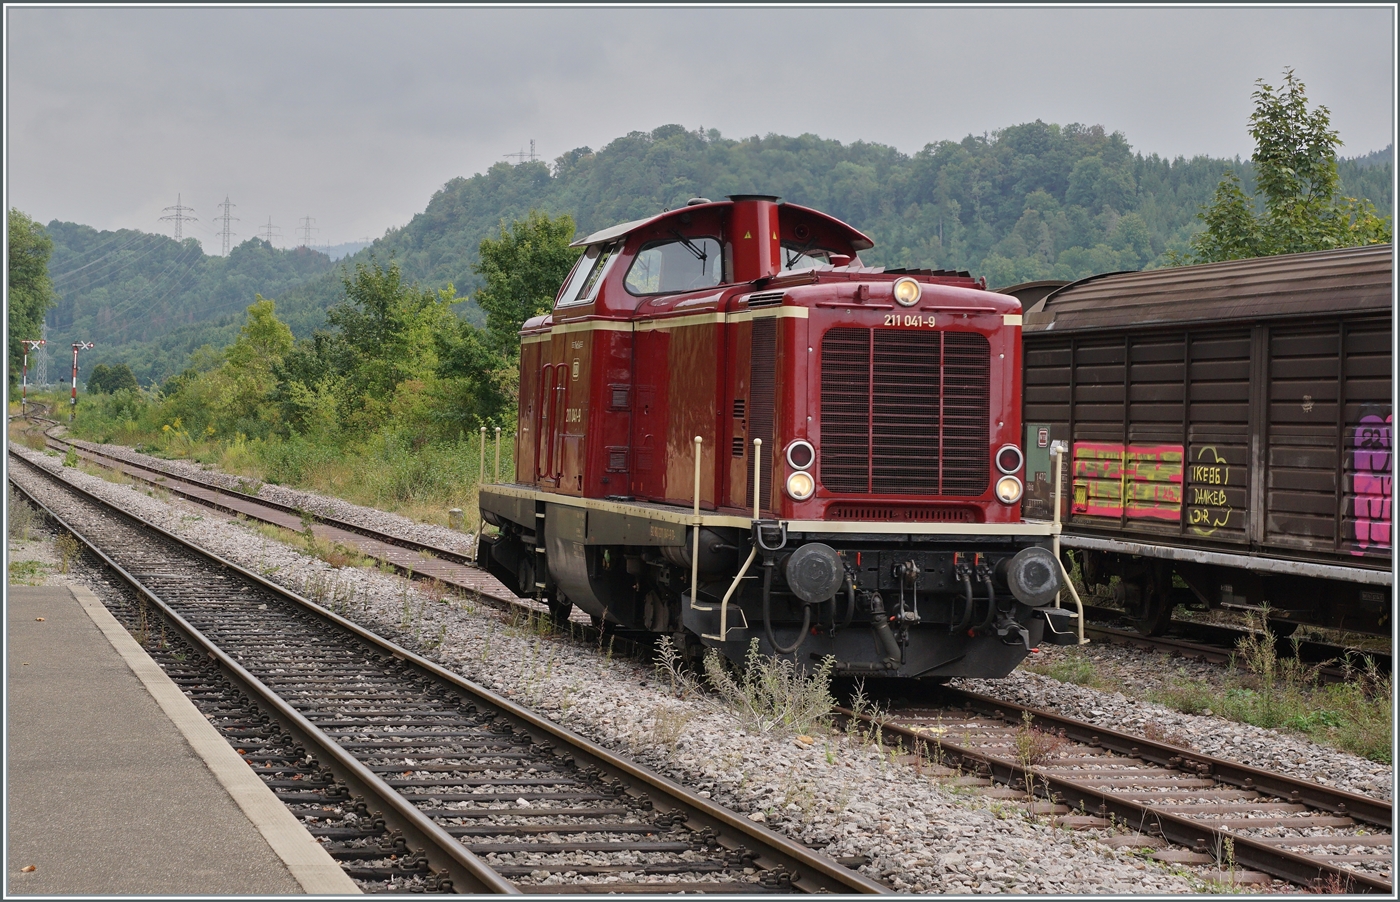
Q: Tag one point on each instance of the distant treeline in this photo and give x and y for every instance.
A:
(1028, 202)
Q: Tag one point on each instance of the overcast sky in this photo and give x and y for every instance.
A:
(356, 116)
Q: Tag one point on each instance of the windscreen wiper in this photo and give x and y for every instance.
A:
(690, 246)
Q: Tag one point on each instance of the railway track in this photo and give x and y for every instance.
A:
(1222, 813)
(1217, 644)
(1180, 802)
(409, 557)
(415, 778)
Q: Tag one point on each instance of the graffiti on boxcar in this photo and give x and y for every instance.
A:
(1145, 481)
(1210, 505)
(1370, 483)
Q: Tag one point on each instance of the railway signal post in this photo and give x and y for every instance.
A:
(73, 403)
(33, 344)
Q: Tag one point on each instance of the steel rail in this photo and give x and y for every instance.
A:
(1339, 801)
(812, 872)
(1176, 828)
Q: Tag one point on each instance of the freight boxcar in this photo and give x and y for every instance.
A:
(731, 430)
(1230, 428)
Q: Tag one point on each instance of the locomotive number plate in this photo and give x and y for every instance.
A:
(912, 320)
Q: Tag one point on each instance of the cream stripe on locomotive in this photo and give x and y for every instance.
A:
(683, 517)
(673, 322)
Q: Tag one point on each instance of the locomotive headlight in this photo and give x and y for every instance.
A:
(1010, 459)
(1009, 489)
(907, 292)
(801, 485)
(800, 454)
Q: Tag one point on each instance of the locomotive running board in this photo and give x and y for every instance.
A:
(682, 517)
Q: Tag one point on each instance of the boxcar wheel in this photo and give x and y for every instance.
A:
(1154, 613)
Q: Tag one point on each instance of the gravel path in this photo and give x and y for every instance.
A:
(828, 790)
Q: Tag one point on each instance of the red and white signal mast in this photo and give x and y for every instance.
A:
(73, 404)
(30, 344)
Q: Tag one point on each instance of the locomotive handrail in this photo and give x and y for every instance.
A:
(1057, 451)
(695, 548)
(753, 552)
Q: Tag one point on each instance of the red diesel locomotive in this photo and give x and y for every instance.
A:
(730, 430)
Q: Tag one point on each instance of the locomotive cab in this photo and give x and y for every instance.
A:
(731, 429)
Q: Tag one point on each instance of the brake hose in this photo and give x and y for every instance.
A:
(768, 614)
(850, 602)
(991, 603)
(966, 617)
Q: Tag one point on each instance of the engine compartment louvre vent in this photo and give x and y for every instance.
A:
(763, 387)
(765, 299)
(902, 513)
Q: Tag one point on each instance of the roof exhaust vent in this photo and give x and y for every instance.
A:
(753, 228)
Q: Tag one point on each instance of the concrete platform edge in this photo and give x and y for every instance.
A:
(310, 864)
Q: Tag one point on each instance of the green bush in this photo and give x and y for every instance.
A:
(771, 693)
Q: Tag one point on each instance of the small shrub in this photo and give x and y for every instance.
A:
(668, 724)
(1157, 732)
(68, 549)
(772, 693)
(669, 667)
(1273, 692)
(22, 517)
(1035, 746)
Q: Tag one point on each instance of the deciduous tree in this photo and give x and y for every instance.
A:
(31, 292)
(523, 268)
(1295, 160)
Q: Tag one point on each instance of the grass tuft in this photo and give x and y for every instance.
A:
(1275, 692)
(1070, 666)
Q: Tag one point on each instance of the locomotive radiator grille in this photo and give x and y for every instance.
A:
(905, 412)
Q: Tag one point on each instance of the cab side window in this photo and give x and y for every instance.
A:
(588, 274)
(682, 264)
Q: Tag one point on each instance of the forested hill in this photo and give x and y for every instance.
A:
(1031, 201)
(142, 298)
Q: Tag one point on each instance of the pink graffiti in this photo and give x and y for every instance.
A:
(1370, 483)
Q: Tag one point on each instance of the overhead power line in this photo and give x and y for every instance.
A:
(266, 231)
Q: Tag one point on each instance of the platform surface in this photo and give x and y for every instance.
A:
(114, 788)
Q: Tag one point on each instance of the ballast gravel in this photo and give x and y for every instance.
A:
(833, 792)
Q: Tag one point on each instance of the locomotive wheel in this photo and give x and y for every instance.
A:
(559, 609)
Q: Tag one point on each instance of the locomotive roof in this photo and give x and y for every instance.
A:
(859, 241)
(1347, 280)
